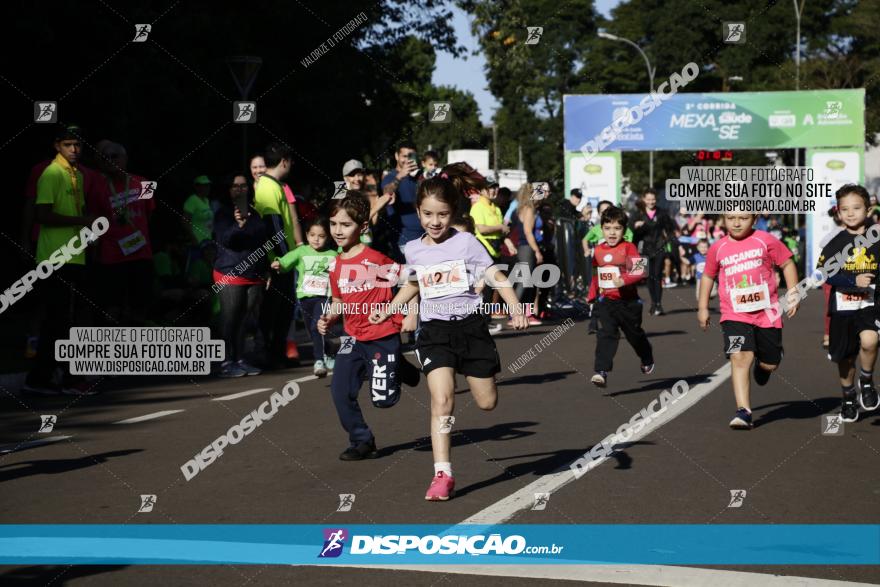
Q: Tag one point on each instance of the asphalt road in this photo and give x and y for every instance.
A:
(287, 470)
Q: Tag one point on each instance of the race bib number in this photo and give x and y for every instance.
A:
(316, 285)
(750, 299)
(443, 279)
(607, 275)
(132, 243)
(854, 300)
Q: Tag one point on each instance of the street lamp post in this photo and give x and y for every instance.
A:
(798, 10)
(244, 69)
(494, 128)
(651, 72)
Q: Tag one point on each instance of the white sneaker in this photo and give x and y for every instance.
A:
(320, 370)
(495, 328)
(329, 362)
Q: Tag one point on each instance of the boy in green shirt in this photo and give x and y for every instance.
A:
(60, 212)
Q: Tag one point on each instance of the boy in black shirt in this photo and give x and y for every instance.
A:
(852, 306)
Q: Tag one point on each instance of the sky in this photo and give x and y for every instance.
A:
(468, 74)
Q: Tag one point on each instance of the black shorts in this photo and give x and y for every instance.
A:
(843, 334)
(465, 345)
(766, 343)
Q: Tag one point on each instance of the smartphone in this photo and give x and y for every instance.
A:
(241, 202)
(415, 159)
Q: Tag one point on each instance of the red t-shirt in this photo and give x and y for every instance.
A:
(122, 242)
(617, 261)
(363, 282)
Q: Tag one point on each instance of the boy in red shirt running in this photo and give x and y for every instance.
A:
(615, 274)
(361, 278)
(744, 262)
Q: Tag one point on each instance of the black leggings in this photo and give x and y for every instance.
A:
(526, 257)
(312, 309)
(655, 277)
(237, 302)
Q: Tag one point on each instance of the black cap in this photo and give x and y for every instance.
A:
(66, 132)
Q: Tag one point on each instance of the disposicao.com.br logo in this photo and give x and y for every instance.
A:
(454, 544)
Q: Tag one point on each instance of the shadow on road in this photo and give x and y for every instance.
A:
(536, 379)
(53, 574)
(506, 431)
(550, 463)
(664, 383)
(56, 466)
(799, 410)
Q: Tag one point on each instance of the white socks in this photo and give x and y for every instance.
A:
(445, 468)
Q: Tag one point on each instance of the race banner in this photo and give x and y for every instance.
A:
(738, 120)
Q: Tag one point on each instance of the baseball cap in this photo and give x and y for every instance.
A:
(202, 180)
(66, 132)
(351, 166)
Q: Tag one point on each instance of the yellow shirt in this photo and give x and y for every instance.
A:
(269, 199)
(60, 185)
(487, 213)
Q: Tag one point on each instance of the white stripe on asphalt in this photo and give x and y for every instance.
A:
(629, 575)
(524, 499)
(152, 416)
(241, 394)
(30, 444)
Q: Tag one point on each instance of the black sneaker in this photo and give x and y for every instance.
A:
(653, 310)
(742, 420)
(868, 396)
(761, 375)
(849, 408)
(365, 450)
(659, 311)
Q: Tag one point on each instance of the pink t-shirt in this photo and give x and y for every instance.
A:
(746, 280)
(288, 193)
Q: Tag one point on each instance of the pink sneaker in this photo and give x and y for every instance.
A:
(442, 487)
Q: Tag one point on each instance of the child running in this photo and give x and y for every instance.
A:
(852, 303)
(361, 278)
(616, 299)
(454, 337)
(312, 262)
(744, 262)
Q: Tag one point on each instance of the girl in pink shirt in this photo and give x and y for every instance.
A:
(744, 262)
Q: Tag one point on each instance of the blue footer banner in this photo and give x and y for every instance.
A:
(802, 544)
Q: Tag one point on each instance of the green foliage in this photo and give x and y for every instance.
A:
(841, 49)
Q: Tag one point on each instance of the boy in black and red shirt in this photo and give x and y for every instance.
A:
(617, 268)
(361, 279)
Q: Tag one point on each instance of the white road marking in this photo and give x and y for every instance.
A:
(241, 394)
(30, 444)
(660, 575)
(152, 416)
(523, 499)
